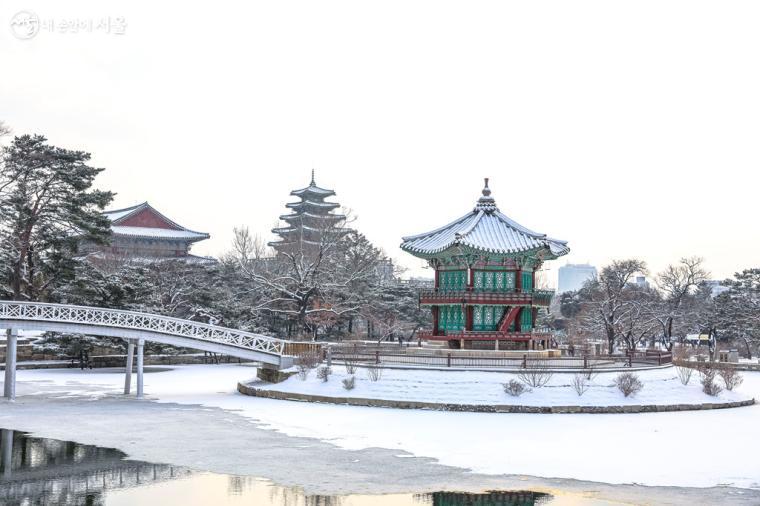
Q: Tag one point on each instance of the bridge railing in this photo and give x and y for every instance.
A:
(132, 320)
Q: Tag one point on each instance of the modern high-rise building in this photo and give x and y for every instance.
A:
(573, 276)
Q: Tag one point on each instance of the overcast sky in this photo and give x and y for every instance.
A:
(630, 129)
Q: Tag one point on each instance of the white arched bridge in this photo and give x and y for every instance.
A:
(136, 328)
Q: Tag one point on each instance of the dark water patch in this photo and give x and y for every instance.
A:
(46, 472)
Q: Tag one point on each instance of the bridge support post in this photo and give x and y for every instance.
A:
(130, 363)
(9, 387)
(140, 359)
(6, 445)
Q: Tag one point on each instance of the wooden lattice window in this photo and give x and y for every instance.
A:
(451, 318)
(486, 318)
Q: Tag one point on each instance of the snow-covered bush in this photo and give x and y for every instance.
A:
(374, 371)
(349, 383)
(536, 373)
(305, 362)
(707, 375)
(580, 383)
(684, 374)
(324, 373)
(628, 383)
(514, 388)
(303, 372)
(730, 377)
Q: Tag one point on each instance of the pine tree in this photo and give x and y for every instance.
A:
(47, 205)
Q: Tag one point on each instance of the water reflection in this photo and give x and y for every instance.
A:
(50, 472)
(38, 471)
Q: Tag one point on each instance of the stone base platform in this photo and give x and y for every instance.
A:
(253, 390)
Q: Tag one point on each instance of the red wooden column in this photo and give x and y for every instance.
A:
(518, 280)
(469, 310)
(518, 326)
(435, 320)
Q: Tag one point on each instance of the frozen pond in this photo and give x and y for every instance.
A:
(210, 439)
(44, 472)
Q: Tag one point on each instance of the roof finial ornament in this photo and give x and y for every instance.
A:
(486, 203)
(313, 183)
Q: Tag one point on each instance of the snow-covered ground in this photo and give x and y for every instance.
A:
(690, 449)
(661, 386)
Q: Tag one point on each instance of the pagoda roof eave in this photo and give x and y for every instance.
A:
(458, 250)
(307, 203)
(326, 216)
(313, 190)
(485, 231)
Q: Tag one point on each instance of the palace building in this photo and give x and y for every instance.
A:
(142, 233)
(485, 264)
(310, 219)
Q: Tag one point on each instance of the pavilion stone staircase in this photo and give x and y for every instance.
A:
(508, 318)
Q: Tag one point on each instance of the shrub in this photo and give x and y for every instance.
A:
(580, 383)
(349, 383)
(374, 371)
(590, 373)
(514, 388)
(309, 359)
(536, 374)
(730, 376)
(707, 378)
(684, 374)
(303, 372)
(350, 363)
(628, 383)
(324, 373)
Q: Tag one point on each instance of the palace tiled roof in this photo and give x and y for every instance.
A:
(484, 229)
(168, 229)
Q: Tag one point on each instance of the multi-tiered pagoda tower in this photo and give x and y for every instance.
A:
(312, 220)
(485, 275)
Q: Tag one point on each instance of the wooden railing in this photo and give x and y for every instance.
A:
(476, 296)
(489, 360)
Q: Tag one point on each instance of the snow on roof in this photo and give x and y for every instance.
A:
(313, 189)
(306, 203)
(306, 214)
(119, 215)
(122, 213)
(485, 229)
(158, 233)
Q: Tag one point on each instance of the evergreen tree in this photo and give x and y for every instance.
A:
(47, 205)
(737, 310)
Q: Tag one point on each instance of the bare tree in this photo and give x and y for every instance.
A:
(677, 283)
(638, 318)
(5, 130)
(310, 282)
(607, 302)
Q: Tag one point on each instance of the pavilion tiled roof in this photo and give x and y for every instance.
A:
(484, 229)
(172, 231)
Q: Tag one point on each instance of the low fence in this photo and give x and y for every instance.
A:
(739, 366)
(493, 361)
